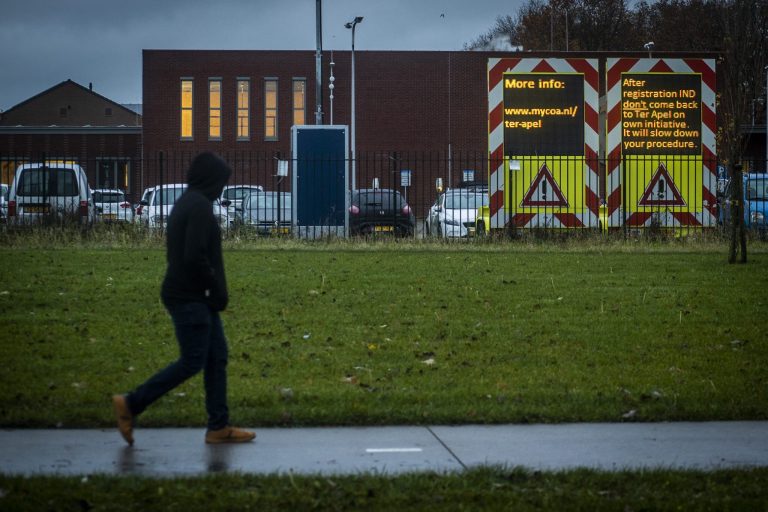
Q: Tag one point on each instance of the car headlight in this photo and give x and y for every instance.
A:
(757, 217)
(452, 222)
(158, 219)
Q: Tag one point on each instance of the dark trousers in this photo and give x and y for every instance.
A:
(202, 346)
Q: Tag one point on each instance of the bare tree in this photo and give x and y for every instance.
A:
(743, 25)
(502, 36)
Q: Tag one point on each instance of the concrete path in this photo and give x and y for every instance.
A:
(389, 450)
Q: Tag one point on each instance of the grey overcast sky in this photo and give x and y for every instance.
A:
(44, 42)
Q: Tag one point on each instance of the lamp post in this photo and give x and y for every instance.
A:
(352, 24)
(649, 46)
(766, 118)
(331, 85)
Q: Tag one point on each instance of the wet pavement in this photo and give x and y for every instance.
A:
(389, 450)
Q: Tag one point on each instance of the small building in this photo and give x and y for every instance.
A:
(70, 122)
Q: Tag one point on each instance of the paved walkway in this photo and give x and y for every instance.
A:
(389, 450)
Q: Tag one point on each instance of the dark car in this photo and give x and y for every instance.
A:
(380, 211)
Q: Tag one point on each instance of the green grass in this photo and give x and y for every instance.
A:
(398, 334)
(479, 489)
(395, 333)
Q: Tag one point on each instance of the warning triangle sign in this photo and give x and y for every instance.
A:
(544, 190)
(661, 191)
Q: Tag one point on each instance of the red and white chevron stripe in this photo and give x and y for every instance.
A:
(699, 215)
(496, 69)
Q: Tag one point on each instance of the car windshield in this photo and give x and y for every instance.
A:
(108, 197)
(168, 195)
(46, 181)
(378, 198)
(465, 201)
(757, 189)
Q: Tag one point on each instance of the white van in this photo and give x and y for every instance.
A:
(50, 192)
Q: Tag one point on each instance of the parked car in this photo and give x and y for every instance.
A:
(157, 202)
(111, 205)
(454, 212)
(4, 189)
(235, 195)
(380, 211)
(755, 200)
(50, 192)
(261, 212)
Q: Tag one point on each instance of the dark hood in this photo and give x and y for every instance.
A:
(208, 173)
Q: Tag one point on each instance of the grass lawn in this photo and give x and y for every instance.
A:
(491, 489)
(338, 335)
(342, 334)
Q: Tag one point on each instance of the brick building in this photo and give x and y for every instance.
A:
(405, 100)
(413, 108)
(73, 123)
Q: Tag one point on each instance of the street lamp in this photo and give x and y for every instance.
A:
(353, 156)
(331, 85)
(649, 46)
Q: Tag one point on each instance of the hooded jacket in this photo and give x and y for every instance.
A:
(195, 270)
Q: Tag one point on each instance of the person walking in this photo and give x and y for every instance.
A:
(194, 291)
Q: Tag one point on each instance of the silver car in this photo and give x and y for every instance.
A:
(454, 212)
(267, 212)
(157, 202)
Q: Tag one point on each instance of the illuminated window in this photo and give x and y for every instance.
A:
(214, 109)
(270, 109)
(186, 109)
(299, 101)
(243, 105)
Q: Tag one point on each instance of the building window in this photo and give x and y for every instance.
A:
(299, 101)
(186, 109)
(243, 109)
(270, 109)
(63, 112)
(113, 174)
(214, 109)
(108, 111)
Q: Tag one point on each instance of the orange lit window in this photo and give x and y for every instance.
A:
(270, 109)
(186, 109)
(214, 109)
(299, 101)
(243, 105)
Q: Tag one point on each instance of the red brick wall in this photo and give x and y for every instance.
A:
(410, 105)
(403, 101)
(84, 148)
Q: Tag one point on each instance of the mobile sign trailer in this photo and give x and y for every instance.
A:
(543, 143)
(661, 150)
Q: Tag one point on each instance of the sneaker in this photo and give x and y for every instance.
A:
(228, 435)
(124, 418)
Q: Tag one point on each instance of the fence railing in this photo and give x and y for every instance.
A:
(413, 194)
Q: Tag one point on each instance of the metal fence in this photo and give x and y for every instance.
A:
(410, 194)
